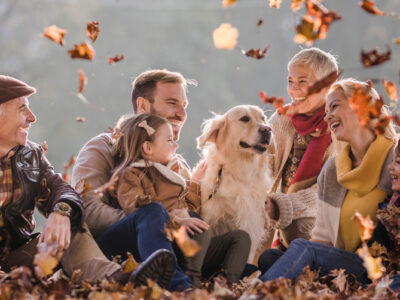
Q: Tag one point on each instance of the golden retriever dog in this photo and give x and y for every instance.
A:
(237, 179)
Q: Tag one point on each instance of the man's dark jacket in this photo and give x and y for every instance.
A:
(41, 187)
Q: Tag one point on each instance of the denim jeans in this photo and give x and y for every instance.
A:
(141, 233)
(302, 253)
(395, 285)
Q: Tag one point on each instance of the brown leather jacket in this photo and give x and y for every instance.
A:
(42, 188)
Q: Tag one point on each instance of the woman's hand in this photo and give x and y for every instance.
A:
(192, 224)
(272, 209)
(200, 171)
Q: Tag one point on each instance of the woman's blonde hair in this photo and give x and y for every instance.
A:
(128, 147)
(349, 85)
(321, 62)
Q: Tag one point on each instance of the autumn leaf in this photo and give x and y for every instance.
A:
(67, 166)
(188, 246)
(80, 119)
(225, 36)
(373, 266)
(374, 58)
(82, 81)
(45, 147)
(83, 51)
(305, 32)
(82, 187)
(45, 260)
(226, 3)
(115, 133)
(130, 264)
(369, 7)
(391, 90)
(340, 279)
(277, 102)
(275, 3)
(92, 30)
(108, 186)
(397, 41)
(116, 58)
(55, 34)
(260, 22)
(256, 53)
(323, 83)
(365, 226)
(296, 4)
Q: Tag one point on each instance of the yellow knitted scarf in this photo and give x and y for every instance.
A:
(363, 194)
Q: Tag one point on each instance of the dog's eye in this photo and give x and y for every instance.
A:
(245, 119)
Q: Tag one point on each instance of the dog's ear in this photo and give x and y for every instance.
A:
(210, 130)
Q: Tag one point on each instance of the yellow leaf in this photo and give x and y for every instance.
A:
(225, 36)
(45, 260)
(372, 265)
(82, 187)
(130, 264)
(188, 246)
(365, 226)
(226, 3)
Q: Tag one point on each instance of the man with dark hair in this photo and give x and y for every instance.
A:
(28, 180)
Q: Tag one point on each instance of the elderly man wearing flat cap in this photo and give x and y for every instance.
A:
(28, 180)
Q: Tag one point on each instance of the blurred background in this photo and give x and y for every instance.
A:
(172, 34)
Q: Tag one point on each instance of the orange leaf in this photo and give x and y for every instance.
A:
(374, 58)
(225, 36)
(83, 51)
(80, 119)
(391, 90)
(92, 30)
(130, 264)
(116, 58)
(372, 265)
(55, 34)
(277, 102)
(115, 132)
(68, 165)
(45, 147)
(275, 3)
(365, 226)
(188, 246)
(296, 4)
(369, 7)
(323, 83)
(256, 53)
(82, 81)
(226, 3)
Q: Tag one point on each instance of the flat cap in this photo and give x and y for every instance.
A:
(11, 88)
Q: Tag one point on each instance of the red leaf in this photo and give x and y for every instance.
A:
(92, 30)
(256, 53)
(374, 58)
(260, 22)
(277, 102)
(55, 34)
(83, 51)
(116, 58)
(324, 82)
(82, 81)
(369, 7)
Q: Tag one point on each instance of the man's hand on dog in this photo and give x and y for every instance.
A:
(272, 209)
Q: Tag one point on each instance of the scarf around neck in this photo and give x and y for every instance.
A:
(311, 162)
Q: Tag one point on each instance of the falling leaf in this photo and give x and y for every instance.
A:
(226, 3)
(115, 133)
(82, 187)
(83, 51)
(397, 41)
(92, 30)
(45, 147)
(80, 119)
(45, 260)
(374, 58)
(130, 264)
(373, 266)
(116, 58)
(108, 186)
(391, 90)
(275, 3)
(82, 81)
(256, 53)
(369, 7)
(68, 165)
(188, 246)
(225, 36)
(340, 279)
(277, 102)
(323, 83)
(296, 4)
(365, 226)
(55, 34)
(260, 22)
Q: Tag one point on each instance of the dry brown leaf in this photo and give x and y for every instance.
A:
(82, 81)
(391, 90)
(83, 51)
(55, 34)
(92, 30)
(373, 266)
(374, 58)
(80, 119)
(82, 187)
(188, 246)
(260, 22)
(340, 279)
(277, 102)
(225, 36)
(323, 83)
(67, 166)
(369, 7)
(45, 147)
(116, 58)
(275, 3)
(130, 264)
(365, 226)
(256, 53)
(226, 3)
(115, 133)
(45, 261)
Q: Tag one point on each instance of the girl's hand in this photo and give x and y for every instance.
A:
(200, 171)
(192, 224)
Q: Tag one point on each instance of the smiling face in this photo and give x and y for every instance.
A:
(14, 124)
(394, 169)
(299, 79)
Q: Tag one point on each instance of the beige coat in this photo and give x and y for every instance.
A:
(141, 184)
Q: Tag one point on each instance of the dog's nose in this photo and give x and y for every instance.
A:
(264, 129)
(265, 132)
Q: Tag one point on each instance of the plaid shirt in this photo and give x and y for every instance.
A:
(7, 189)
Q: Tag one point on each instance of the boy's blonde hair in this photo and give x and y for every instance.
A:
(321, 62)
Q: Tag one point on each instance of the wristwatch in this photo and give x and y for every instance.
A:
(63, 209)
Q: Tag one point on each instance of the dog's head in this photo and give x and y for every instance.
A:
(243, 128)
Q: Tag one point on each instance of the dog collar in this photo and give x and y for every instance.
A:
(216, 186)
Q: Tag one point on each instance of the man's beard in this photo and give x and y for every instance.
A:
(175, 131)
